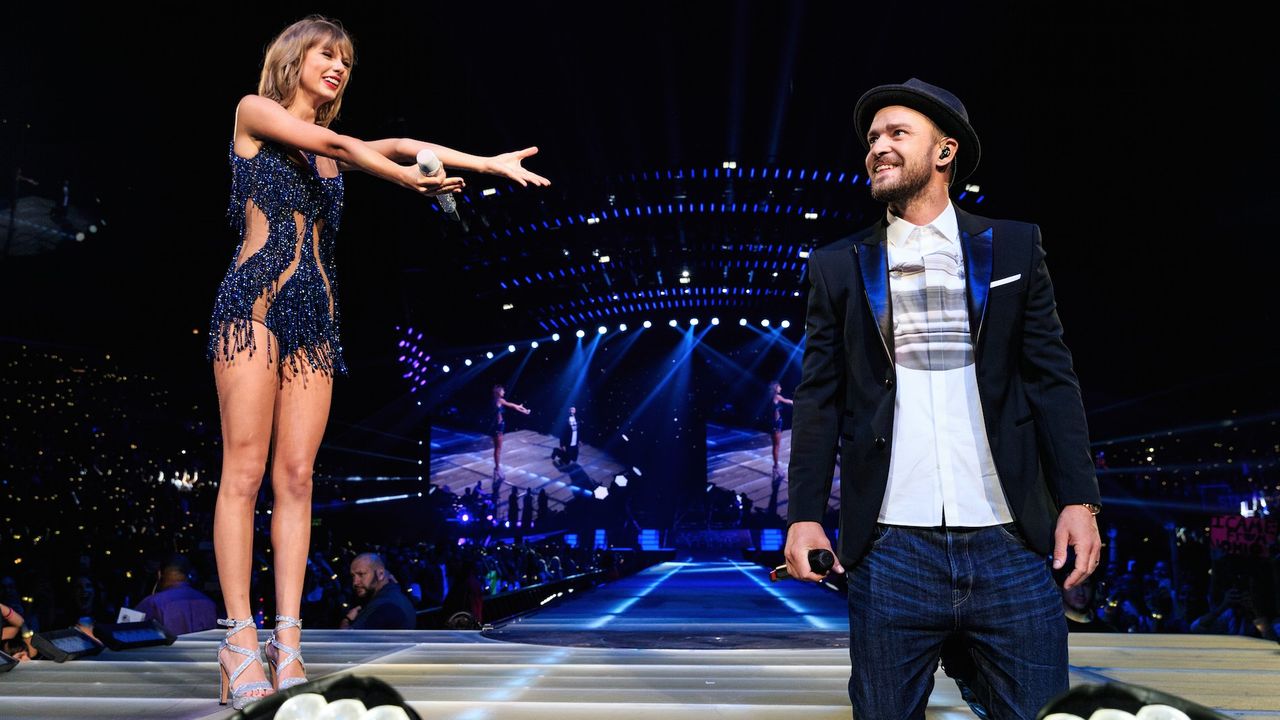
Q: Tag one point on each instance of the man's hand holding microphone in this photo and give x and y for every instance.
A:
(808, 554)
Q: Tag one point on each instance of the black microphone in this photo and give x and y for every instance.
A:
(428, 164)
(820, 561)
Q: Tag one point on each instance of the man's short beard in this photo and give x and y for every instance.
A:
(912, 182)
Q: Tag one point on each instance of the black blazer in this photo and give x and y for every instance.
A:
(1029, 393)
(566, 433)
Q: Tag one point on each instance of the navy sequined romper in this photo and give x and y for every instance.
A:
(499, 425)
(285, 280)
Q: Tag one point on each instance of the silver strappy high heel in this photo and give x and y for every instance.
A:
(240, 694)
(275, 663)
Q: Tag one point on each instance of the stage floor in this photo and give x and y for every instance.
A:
(681, 640)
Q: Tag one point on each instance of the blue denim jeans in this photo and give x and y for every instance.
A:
(918, 586)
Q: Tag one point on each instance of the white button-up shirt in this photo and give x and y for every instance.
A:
(941, 471)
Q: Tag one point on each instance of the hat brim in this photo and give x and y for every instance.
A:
(952, 123)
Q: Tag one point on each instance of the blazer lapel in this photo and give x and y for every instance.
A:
(975, 240)
(873, 260)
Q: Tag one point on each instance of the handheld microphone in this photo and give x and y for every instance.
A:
(820, 561)
(428, 164)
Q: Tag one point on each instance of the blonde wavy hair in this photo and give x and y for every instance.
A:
(282, 64)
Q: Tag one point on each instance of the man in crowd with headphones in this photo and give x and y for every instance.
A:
(178, 606)
(934, 359)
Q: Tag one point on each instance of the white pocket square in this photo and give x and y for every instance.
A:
(1005, 280)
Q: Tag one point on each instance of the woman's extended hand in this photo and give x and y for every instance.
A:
(508, 165)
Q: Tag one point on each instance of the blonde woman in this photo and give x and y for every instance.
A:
(498, 427)
(775, 428)
(274, 340)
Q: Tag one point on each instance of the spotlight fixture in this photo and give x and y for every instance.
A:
(602, 329)
(786, 324)
(580, 334)
(620, 480)
(555, 337)
(622, 327)
(534, 344)
(601, 492)
(467, 362)
(765, 322)
(693, 321)
(489, 354)
(445, 368)
(512, 348)
(647, 324)
(742, 322)
(715, 321)
(672, 322)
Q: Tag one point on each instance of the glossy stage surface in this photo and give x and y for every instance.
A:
(681, 640)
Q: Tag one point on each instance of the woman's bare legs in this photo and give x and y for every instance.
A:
(497, 455)
(301, 412)
(247, 387)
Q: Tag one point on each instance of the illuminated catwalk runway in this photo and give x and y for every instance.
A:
(680, 640)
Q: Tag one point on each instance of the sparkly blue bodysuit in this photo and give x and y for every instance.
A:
(286, 282)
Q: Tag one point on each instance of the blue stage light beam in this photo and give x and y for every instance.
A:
(679, 363)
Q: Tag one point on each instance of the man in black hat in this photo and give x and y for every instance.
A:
(934, 358)
(569, 436)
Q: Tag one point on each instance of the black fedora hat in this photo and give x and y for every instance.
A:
(937, 104)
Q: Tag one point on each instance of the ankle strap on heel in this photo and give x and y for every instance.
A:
(236, 625)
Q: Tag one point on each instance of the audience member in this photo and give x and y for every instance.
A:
(383, 605)
(178, 606)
